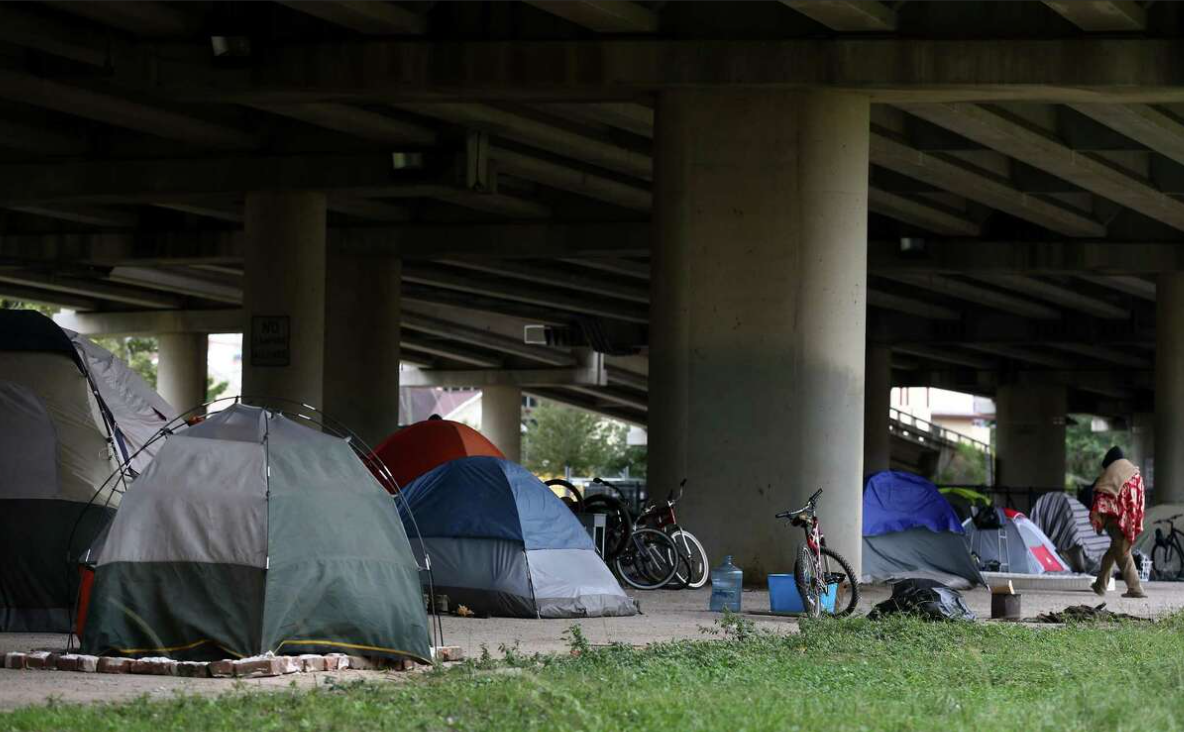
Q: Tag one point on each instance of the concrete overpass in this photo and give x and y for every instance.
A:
(742, 222)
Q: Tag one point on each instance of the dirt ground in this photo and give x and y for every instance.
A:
(667, 615)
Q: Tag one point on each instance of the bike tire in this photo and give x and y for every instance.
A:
(619, 525)
(579, 498)
(1167, 561)
(803, 577)
(694, 570)
(843, 605)
(649, 560)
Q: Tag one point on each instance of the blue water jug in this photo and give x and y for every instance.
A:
(727, 581)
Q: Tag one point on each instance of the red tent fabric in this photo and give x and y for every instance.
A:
(416, 449)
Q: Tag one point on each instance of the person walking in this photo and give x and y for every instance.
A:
(1118, 507)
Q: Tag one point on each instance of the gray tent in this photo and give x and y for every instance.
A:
(1065, 520)
(70, 413)
(252, 533)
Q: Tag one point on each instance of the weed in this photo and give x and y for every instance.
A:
(577, 642)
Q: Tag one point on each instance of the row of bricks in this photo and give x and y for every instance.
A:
(242, 668)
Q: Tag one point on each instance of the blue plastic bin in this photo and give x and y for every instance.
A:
(784, 598)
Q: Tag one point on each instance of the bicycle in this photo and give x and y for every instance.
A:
(1167, 558)
(648, 561)
(694, 570)
(812, 572)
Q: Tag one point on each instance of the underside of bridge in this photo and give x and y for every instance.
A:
(739, 223)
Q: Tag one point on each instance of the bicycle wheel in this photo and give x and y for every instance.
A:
(1167, 561)
(618, 525)
(693, 571)
(577, 497)
(804, 577)
(847, 594)
(649, 560)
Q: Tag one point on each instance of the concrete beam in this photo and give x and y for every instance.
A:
(1018, 139)
(173, 281)
(91, 288)
(944, 355)
(40, 140)
(1116, 356)
(1062, 296)
(46, 297)
(602, 16)
(1142, 123)
(528, 131)
(906, 70)
(358, 122)
(920, 213)
(550, 276)
(165, 180)
(89, 215)
(848, 16)
(1077, 258)
(369, 18)
(437, 348)
(140, 18)
(1135, 286)
(622, 267)
(1026, 355)
(545, 296)
(119, 111)
(628, 116)
(499, 377)
(978, 295)
(956, 176)
(911, 306)
(483, 338)
(22, 28)
(229, 212)
(1102, 16)
(571, 179)
(369, 208)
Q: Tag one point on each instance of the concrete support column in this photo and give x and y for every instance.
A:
(877, 441)
(501, 419)
(362, 313)
(181, 369)
(284, 297)
(1169, 389)
(1030, 435)
(758, 316)
(1143, 446)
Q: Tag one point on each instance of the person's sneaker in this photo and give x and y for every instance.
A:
(1136, 594)
(1099, 589)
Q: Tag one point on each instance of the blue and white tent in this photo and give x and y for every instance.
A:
(501, 543)
(911, 531)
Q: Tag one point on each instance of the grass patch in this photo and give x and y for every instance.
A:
(837, 674)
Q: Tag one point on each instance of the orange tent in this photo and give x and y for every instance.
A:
(416, 449)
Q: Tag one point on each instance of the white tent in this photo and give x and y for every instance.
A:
(70, 413)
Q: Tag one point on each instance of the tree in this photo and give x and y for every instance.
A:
(1084, 449)
(559, 437)
(138, 353)
(46, 310)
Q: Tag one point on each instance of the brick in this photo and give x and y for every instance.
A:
(14, 660)
(336, 662)
(450, 653)
(67, 662)
(193, 669)
(115, 665)
(43, 660)
(155, 666)
(362, 663)
(290, 664)
(221, 669)
(88, 664)
(312, 662)
(253, 668)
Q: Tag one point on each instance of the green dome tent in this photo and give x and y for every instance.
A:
(252, 533)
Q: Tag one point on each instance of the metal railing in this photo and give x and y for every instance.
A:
(928, 434)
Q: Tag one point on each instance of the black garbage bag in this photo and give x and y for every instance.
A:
(925, 598)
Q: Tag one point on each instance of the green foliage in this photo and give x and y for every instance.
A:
(214, 389)
(559, 437)
(967, 466)
(843, 674)
(1084, 450)
(48, 310)
(138, 353)
(576, 640)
